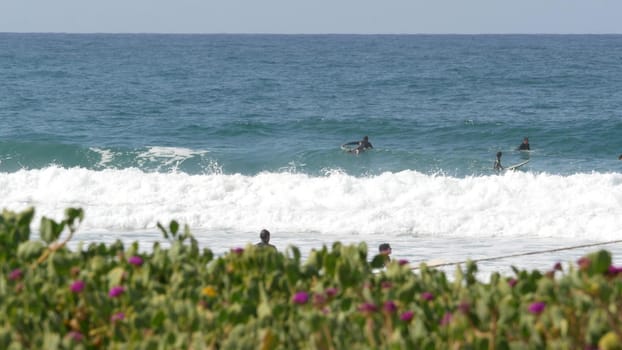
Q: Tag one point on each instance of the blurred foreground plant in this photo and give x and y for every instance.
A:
(113, 296)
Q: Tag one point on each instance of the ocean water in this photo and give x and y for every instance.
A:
(230, 134)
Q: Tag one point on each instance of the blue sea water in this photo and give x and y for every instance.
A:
(233, 133)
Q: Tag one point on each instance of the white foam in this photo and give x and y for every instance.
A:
(336, 206)
(167, 156)
(105, 154)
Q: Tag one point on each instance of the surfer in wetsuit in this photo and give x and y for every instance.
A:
(364, 145)
(497, 166)
(385, 249)
(264, 235)
(525, 145)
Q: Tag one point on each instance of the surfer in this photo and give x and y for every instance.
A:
(364, 145)
(385, 249)
(497, 166)
(264, 235)
(361, 146)
(525, 145)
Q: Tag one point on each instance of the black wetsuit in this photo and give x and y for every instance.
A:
(363, 145)
(523, 147)
(497, 166)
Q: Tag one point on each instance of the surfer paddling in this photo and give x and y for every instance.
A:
(361, 146)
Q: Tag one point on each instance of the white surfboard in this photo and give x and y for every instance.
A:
(516, 166)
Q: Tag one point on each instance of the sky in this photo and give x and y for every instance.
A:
(313, 16)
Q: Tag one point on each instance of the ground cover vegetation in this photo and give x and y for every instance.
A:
(179, 296)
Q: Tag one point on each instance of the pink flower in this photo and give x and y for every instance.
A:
(77, 286)
(407, 316)
(386, 284)
(319, 299)
(402, 262)
(135, 260)
(464, 307)
(584, 263)
(427, 296)
(557, 267)
(15, 275)
(512, 282)
(116, 291)
(300, 298)
(537, 307)
(613, 271)
(75, 335)
(446, 319)
(119, 316)
(389, 306)
(368, 307)
(331, 292)
(237, 251)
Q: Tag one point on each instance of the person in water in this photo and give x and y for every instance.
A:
(364, 145)
(264, 235)
(525, 145)
(385, 249)
(497, 166)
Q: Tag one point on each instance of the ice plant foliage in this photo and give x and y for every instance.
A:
(184, 296)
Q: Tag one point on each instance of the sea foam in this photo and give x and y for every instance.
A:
(336, 205)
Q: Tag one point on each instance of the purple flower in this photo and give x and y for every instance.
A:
(319, 299)
(464, 307)
(300, 298)
(407, 316)
(512, 282)
(368, 307)
(537, 307)
(77, 286)
(116, 291)
(237, 251)
(135, 260)
(402, 262)
(15, 275)
(427, 296)
(119, 316)
(389, 306)
(331, 292)
(386, 284)
(446, 319)
(557, 267)
(613, 271)
(584, 263)
(75, 335)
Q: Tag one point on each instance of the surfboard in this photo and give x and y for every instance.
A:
(350, 146)
(516, 166)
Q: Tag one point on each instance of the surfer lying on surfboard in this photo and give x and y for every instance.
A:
(361, 146)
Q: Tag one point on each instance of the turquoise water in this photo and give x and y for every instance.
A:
(233, 133)
(252, 103)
